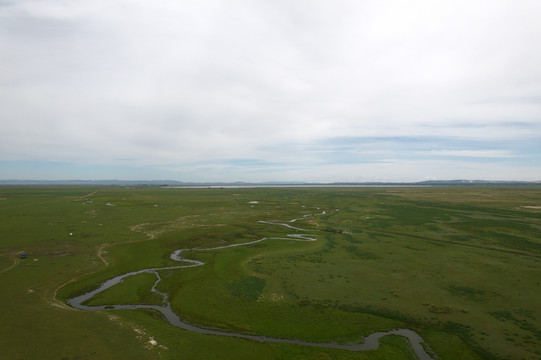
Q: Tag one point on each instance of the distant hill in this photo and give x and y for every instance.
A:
(477, 182)
(271, 183)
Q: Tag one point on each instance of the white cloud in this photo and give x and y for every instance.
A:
(175, 83)
(473, 153)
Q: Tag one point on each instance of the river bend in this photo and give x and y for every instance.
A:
(370, 342)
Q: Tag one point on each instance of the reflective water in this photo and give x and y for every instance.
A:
(370, 342)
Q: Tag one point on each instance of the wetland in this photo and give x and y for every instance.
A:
(271, 272)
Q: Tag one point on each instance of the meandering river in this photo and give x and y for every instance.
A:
(370, 342)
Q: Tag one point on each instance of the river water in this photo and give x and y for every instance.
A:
(370, 342)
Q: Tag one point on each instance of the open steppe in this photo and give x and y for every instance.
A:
(459, 265)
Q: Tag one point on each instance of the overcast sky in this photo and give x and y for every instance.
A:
(270, 90)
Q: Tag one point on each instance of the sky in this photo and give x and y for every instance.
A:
(278, 90)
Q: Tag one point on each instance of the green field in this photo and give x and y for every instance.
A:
(459, 265)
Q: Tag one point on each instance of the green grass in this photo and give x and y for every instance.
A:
(133, 290)
(459, 265)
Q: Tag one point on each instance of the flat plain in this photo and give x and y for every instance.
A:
(460, 265)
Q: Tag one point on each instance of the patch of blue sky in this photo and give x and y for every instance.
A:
(54, 170)
(410, 143)
(377, 150)
(506, 130)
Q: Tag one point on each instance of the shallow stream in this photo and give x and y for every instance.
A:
(370, 342)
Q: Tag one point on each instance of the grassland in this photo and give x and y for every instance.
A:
(459, 265)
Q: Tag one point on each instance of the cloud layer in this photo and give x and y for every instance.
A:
(271, 90)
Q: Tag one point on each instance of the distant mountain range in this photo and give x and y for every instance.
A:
(273, 183)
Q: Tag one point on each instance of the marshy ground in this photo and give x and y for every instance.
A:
(459, 265)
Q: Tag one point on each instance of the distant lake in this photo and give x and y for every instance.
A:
(249, 186)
